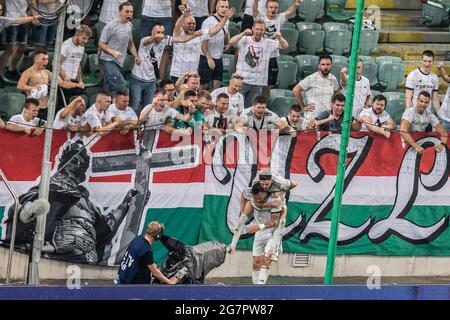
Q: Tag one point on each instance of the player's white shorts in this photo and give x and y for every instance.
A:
(265, 245)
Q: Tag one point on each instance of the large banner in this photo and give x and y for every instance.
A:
(104, 191)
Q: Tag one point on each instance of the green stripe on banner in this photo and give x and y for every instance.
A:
(180, 223)
(214, 227)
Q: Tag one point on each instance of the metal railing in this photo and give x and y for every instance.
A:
(13, 232)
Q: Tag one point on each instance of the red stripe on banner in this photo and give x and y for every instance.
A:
(114, 141)
(115, 178)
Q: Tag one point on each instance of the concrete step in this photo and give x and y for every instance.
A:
(389, 4)
(414, 35)
(409, 51)
(397, 18)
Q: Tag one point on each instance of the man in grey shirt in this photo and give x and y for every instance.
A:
(116, 38)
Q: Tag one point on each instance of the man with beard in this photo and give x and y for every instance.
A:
(376, 119)
(319, 87)
(258, 117)
(332, 120)
(71, 117)
(75, 230)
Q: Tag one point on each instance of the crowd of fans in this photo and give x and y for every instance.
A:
(194, 97)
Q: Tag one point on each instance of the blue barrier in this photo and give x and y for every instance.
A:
(235, 292)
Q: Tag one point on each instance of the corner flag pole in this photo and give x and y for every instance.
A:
(337, 203)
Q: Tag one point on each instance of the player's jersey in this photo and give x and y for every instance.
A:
(263, 216)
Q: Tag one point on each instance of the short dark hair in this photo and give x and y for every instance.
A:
(325, 56)
(122, 93)
(204, 94)
(160, 91)
(380, 97)
(164, 83)
(31, 101)
(295, 108)
(428, 53)
(223, 95)
(105, 93)
(125, 4)
(39, 51)
(425, 94)
(260, 100)
(257, 189)
(190, 93)
(158, 23)
(338, 97)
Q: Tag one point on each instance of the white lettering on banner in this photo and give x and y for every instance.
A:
(74, 277)
(374, 280)
(407, 190)
(319, 226)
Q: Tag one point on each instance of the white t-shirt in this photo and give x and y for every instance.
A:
(216, 42)
(19, 120)
(236, 101)
(299, 126)
(252, 122)
(253, 62)
(186, 56)
(379, 120)
(156, 120)
(94, 117)
(419, 81)
(127, 114)
(117, 36)
(272, 26)
(110, 10)
(68, 121)
(157, 8)
(444, 112)
(199, 8)
(5, 22)
(319, 91)
(249, 7)
(213, 119)
(73, 55)
(16, 8)
(362, 90)
(419, 122)
(148, 55)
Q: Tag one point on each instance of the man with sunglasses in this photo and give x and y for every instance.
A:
(376, 119)
(232, 90)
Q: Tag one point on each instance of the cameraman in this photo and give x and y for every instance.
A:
(137, 266)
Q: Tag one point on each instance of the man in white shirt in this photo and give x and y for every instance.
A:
(417, 119)
(96, 115)
(186, 56)
(116, 38)
(210, 66)
(222, 118)
(257, 117)
(253, 59)
(444, 112)
(71, 117)
(120, 109)
(236, 98)
(27, 121)
(376, 119)
(145, 75)
(320, 87)
(423, 79)
(293, 122)
(362, 95)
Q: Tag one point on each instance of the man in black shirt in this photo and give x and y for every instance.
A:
(138, 266)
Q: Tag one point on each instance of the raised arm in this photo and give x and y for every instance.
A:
(293, 8)
(234, 40)
(213, 31)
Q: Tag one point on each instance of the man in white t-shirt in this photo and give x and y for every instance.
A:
(274, 22)
(186, 56)
(362, 94)
(232, 90)
(72, 117)
(376, 119)
(96, 115)
(257, 117)
(145, 75)
(423, 79)
(108, 12)
(293, 122)
(444, 112)
(120, 109)
(222, 117)
(417, 119)
(253, 59)
(27, 121)
(159, 115)
(320, 87)
(210, 66)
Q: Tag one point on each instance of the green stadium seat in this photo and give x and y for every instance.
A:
(396, 105)
(369, 41)
(335, 10)
(338, 63)
(307, 64)
(390, 59)
(92, 79)
(370, 69)
(311, 37)
(311, 10)
(284, 5)
(435, 13)
(391, 75)
(237, 4)
(9, 89)
(228, 67)
(287, 74)
(285, 57)
(12, 104)
(233, 30)
(375, 93)
(92, 92)
(281, 105)
(84, 63)
(291, 36)
(288, 24)
(337, 38)
(275, 93)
